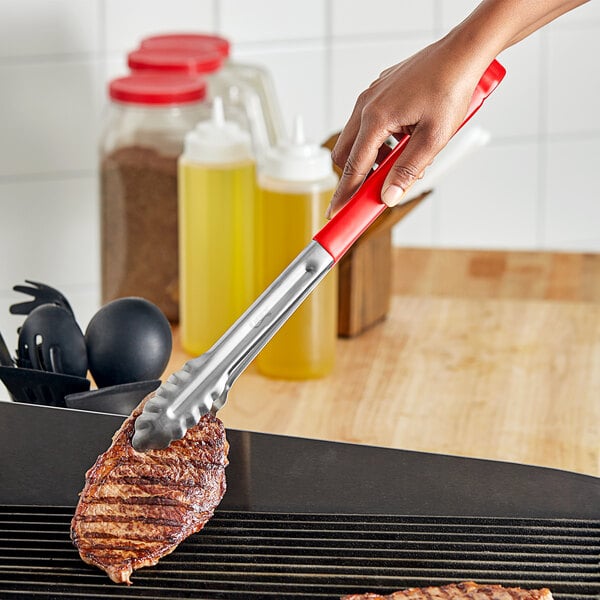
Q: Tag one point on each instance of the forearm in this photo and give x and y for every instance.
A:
(498, 24)
(556, 10)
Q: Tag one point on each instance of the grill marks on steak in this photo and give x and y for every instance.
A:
(467, 590)
(137, 507)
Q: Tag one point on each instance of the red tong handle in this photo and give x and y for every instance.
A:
(365, 205)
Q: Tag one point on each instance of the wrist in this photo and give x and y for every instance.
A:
(472, 45)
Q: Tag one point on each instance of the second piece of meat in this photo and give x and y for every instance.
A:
(466, 590)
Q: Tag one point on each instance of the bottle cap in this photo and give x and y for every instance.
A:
(297, 160)
(187, 41)
(217, 141)
(195, 61)
(157, 90)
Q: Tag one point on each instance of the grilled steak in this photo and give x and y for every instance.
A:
(137, 507)
(459, 591)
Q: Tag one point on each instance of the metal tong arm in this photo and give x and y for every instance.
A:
(203, 383)
(251, 332)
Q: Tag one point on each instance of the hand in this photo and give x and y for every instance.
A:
(425, 96)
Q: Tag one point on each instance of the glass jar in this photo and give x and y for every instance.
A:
(145, 125)
(205, 60)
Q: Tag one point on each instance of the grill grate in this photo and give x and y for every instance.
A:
(267, 555)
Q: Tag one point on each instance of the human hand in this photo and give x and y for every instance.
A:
(425, 96)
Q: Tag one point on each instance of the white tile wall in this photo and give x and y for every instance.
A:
(50, 234)
(513, 111)
(263, 21)
(42, 28)
(532, 187)
(587, 14)
(452, 13)
(491, 197)
(384, 17)
(573, 80)
(572, 210)
(355, 64)
(125, 22)
(299, 75)
(49, 118)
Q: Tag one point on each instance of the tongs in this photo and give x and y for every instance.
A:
(202, 384)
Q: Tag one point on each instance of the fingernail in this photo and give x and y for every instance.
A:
(328, 211)
(392, 194)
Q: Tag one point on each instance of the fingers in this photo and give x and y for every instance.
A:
(418, 154)
(355, 169)
(356, 162)
(424, 144)
(422, 96)
(345, 140)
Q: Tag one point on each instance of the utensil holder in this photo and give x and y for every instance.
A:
(364, 273)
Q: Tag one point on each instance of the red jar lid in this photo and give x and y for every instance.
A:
(192, 62)
(187, 41)
(157, 89)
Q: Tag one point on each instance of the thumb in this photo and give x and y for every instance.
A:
(410, 165)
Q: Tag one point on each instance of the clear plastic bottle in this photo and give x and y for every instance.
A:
(217, 184)
(296, 182)
(252, 87)
(247, 88)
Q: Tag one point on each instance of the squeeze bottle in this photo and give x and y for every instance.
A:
(295, 185)
(217, 184)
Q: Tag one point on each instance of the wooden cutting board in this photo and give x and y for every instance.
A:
(483, 354)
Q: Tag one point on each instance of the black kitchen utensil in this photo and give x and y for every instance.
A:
(41, 387)
(51, 340)
(42, 294)
(128, 339)
(116, 399)
(6, 359)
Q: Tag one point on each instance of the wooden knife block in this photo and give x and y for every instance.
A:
(364, 274)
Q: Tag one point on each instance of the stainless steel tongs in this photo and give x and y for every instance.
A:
(203, 383)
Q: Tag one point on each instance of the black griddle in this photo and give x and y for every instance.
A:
(303, 519)
(249, 555)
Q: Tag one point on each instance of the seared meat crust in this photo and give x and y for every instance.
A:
(467, 590)
(137, 507)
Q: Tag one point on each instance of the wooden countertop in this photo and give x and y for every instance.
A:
(483, 354)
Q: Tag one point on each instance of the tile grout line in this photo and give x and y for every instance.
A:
(50, 176)
(102, 37)
(217, 17)
(328, 71)
(435, 226)
(103, 72)
(542, 144)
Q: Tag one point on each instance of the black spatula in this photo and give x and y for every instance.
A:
(41, 387)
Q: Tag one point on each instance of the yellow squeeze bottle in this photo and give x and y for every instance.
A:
(217, 183)
(296, 182)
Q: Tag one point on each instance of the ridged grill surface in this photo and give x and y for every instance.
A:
(267, 555)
